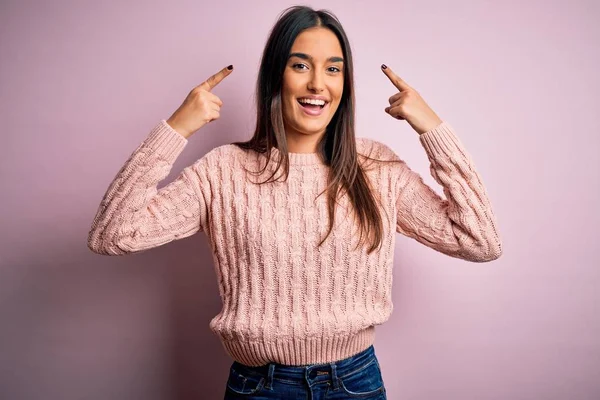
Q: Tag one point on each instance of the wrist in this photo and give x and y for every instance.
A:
(431, 126)
(178, 129)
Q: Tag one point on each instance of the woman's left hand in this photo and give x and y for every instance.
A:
(408, 105)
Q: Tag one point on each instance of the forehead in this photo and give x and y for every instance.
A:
(320, 43)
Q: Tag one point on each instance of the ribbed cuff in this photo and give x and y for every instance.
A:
(300, 351)
(441, 141)
(166, 141)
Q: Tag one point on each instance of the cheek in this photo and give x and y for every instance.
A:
(289, 84)
(285, 100)
(287, 97)
(337, 91)
(338, 95)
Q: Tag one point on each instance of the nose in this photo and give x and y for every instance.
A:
(316, 82)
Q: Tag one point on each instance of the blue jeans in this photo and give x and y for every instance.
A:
(355, 377)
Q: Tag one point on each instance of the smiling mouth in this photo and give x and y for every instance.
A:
(313, 110)
(312, 106)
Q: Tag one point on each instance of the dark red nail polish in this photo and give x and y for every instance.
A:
(230, 67)
(383, 66)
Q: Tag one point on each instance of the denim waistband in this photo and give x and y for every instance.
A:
(313, 372)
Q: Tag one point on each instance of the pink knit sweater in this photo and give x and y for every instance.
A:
(284, 299)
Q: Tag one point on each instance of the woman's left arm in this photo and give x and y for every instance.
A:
(463, 225)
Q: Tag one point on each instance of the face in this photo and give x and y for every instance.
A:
(314, 69)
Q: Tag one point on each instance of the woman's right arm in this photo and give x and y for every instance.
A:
(133, 215)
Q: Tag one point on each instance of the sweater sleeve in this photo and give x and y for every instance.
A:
(134, 216)
(462, 225)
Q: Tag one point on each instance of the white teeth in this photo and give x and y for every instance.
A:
(310, 101)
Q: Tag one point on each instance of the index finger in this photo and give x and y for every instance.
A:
(395, 79)
(214, 80)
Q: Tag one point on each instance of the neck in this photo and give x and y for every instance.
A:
(302, 143)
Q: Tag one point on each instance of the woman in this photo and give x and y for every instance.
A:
(302, 288)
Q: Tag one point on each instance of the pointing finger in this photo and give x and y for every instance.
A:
(395, 79)
(214, 80)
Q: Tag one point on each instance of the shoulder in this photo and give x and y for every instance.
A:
(217, 160)
(375, 149)
(222, 154)
(225, 151)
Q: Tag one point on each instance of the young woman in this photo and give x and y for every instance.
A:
(304, 278)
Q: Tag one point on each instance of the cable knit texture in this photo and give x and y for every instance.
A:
(285, 299)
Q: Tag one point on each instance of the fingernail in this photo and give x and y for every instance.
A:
(383, 66)
(230, 67)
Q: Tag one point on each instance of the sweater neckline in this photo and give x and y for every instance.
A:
(298, 158)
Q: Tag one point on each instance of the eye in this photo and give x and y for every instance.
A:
(336, 69)
(295, 65)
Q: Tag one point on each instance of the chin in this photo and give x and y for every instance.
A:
(309, 129)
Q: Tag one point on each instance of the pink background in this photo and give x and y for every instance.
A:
(81, 85)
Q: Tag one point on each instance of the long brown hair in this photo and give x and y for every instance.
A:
(337, 147)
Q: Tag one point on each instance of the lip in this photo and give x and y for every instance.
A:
(314, 113)
(314, 97)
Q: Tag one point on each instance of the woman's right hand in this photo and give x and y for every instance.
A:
(199, 107)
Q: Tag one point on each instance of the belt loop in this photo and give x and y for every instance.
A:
(270, 376)
(334, 378)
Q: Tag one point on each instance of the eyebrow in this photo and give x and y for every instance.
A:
(305, 56)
